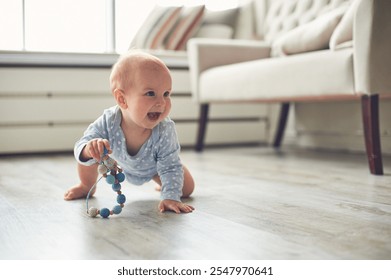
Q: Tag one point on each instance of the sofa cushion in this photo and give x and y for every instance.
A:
(244, 28)
(296, 76)
(312, 36)
(344, 30)
(282, 16)
(188, 24)
(218, 31)
(156, 27)
(226, 17)
(218, 24)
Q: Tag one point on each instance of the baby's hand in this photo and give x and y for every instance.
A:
(175, 206)
(95, 148)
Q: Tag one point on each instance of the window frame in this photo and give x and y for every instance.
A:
(25, 58)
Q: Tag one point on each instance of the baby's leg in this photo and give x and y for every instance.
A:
(88, 176)
(188, 183)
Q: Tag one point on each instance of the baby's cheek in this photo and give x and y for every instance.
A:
(168, 106)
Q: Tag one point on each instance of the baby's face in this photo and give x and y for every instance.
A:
(148, 98)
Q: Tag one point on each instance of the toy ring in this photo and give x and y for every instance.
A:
(113, 174)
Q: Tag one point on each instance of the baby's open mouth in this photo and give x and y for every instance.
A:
(153, 116)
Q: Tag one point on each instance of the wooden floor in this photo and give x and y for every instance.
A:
(251, 203)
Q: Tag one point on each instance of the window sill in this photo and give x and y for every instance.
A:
(82, 60)
(48, 59)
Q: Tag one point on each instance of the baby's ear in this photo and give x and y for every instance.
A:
(119, 96)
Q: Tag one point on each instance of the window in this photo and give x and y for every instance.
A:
(65, 25)
(129, 16)
(83, 26)
(11, 25)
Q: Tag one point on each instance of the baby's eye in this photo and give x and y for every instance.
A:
(150, 93)
(167, 94)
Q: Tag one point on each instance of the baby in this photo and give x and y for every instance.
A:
(138, 133)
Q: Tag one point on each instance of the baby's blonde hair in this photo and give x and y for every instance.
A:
(122, 71)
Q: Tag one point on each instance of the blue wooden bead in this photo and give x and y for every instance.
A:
(104, 212)
(121, 199)
(110, 179)
(117, 209)
(116, 187)
(120, 177)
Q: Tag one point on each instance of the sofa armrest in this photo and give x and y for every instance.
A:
(372, 47)
(208, 53)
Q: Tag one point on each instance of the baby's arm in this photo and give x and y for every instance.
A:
(172, 182)
(89, 148)
(94, 149)
(171, 172)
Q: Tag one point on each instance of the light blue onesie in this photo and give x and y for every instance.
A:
(158, 155)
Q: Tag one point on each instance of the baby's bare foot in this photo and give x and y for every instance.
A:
(158, 188)
(77, 192)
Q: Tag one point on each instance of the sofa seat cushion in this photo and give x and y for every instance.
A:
(321, 73)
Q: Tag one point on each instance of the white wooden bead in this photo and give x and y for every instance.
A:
(102, 169)
(109, 162)
(93, 212)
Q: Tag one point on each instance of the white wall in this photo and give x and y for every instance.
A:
(338, 126)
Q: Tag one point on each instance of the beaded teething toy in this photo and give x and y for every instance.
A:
(113, 173)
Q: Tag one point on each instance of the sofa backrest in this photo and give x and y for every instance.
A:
(272, 18)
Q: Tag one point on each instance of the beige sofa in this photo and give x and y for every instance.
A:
(305, 50)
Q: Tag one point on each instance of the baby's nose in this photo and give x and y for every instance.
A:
(160, 102)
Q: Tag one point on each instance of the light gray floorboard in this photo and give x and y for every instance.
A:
(251, 203)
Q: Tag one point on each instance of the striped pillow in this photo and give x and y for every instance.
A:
(190, 21)
(156, 27)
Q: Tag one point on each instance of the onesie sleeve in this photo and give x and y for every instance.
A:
(169, 166)
(97, 129)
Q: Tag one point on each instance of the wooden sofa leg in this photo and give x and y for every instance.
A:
(370, 114)
(202, 122)
(284, 111)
